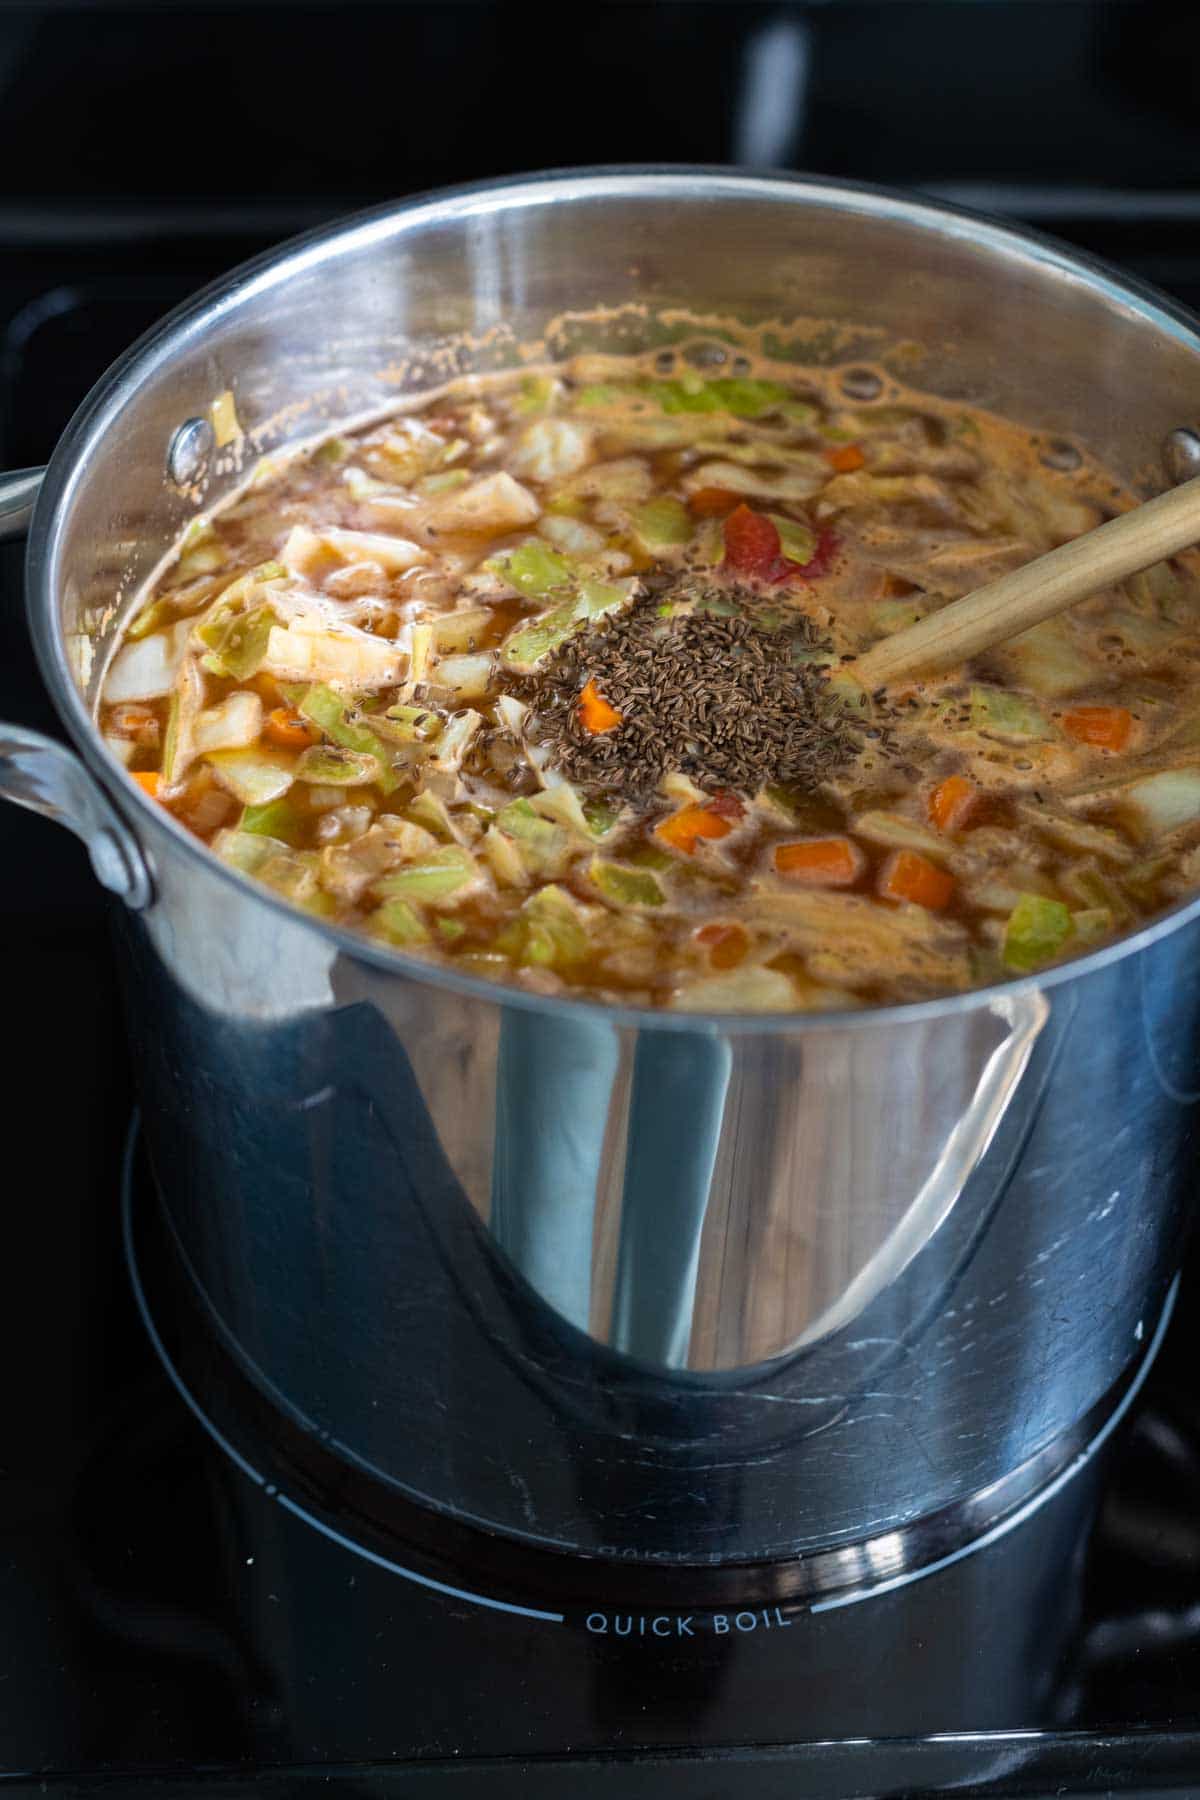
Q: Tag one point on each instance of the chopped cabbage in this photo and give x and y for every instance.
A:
(497, 503)
(550, 449)
(748, 989)
(466, 677)
(342, 653)
(254, 776)
(147, 668)
(233, 724)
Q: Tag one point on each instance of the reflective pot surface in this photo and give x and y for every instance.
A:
(681, 1290)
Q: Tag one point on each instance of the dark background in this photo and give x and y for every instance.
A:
(144, 150)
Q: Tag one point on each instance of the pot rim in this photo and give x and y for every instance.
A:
(98, 412)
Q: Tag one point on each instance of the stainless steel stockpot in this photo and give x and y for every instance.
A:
(844, 1289)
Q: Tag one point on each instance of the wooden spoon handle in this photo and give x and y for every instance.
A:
(1121, 547)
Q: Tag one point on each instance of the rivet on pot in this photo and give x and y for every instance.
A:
(1181, 453)
(189, 452)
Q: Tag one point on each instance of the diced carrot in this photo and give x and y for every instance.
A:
(821, 862)
(726, 944)
(684, 829)
(845, 458)
(149, 780)
(1108, 727)
(595, 714)
(907, 876)
(713, 502)
(952, 802)
(289, 730)
(267, 688)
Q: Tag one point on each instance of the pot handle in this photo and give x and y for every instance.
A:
(38, 773)
(18, 491)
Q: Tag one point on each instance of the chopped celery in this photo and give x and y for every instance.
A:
(625, 886)
(533, 568)
(275, 819)
(396, 921)
(551, 930)
(449, 929)
(798, 542)
(662, 524)
(327, 708)
(460, 630)
(443, 482)
(151, 618)
(520, 821)
(238, 641)
(435, 876)
(1092, 924)
(328, 765)
(1036, 932)
(1000, 713)
(428, 810)
(747, 398)
(530, 643)
(510, 865)
(691, 394)
(255, 777)
(900, 833)
(535, 394)
(601, 394)
(246, 851)
(600, 818)
(201, 551)
(410, 724)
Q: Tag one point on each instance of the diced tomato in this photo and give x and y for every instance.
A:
(726, 805)
(712, 502)
(846, 458)
(726, 944)
(1107, 727)
(952, 802)
(753, 548)
(908, 876)
(752, 544)
(595, 714)
(821, 862)
(684, 829)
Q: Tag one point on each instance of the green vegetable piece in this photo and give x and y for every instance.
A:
(412, 724)
(1000, 713)
(662, 524)
(327, 709)
(246, 851)
(333, 450)
(599, 597)
(533, 568)
(428, 810)
(1092, 924)
(559, 919)
(1036, 931)
(690, 394)
(600, 818)
(151, 618)
(276, 819)
(434, 877)
(535, 394)
(530, 643)
(748, 398)
(601, 393)
(443, 482)
(450, 929)
(894, 615)
(171, 739)
(625, 886)
(328, 765)
(396, 921)
(798, 542)
(238, 641)
(520, 821)
(201, 551)
(253, 776)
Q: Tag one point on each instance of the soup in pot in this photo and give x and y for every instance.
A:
(552, 681)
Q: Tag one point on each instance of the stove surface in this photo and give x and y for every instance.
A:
(139, 1649)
